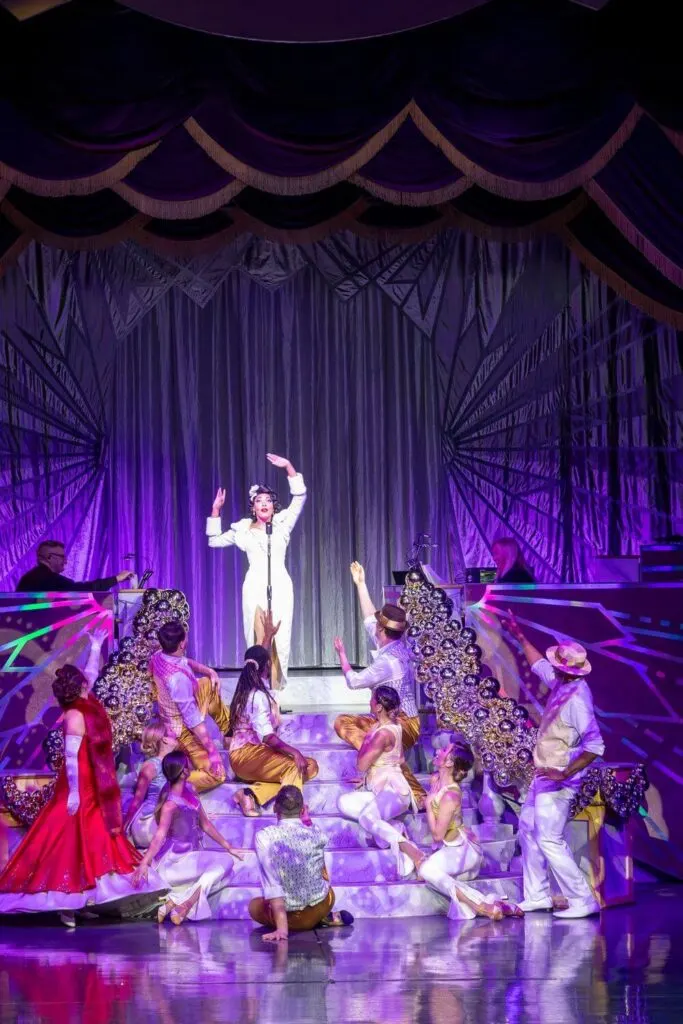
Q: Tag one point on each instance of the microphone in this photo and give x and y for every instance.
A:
(269, 528)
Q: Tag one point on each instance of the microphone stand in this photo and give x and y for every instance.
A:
(269, 587)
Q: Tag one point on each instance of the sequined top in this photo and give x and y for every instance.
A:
(185, 833)
(157, 782)
(456, 831)
(291, 859)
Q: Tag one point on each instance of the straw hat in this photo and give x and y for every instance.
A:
(569, 658)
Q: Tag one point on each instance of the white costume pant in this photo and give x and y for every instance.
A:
(542, 822)
(373, 811)
(444, 869)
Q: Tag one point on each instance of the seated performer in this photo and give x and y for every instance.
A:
(387, 792)
(184, 702)
(392, 666)
(297, 895)
(191, 873)
(139, 820)
(74, 856)
(568, 741)
(47, 574)
(458, 854)
(257, 754)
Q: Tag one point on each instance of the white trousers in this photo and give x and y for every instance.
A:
(443, 869)
(542, 822)
(374, 811)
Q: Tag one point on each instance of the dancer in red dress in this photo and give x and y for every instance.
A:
(74, 855)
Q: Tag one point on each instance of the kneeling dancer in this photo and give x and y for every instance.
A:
(297, 895)
(392, 666)
(387, 793)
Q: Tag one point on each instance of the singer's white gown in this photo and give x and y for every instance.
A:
(254, 542)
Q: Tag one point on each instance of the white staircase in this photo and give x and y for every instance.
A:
(363, 877)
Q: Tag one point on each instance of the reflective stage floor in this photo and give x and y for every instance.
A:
(624, 967)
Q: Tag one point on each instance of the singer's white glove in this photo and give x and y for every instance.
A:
(72, 744)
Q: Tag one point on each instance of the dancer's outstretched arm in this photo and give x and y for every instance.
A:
(92, 667)
(208, 826)
(158, 840)
(358, 576)
(531, 653)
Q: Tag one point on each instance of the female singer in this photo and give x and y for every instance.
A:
(74, 855)
(252, 536)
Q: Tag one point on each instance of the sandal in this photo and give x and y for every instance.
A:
(162, 912)
(246, 800)
(510, 909)
(337, 919)
(179, 913)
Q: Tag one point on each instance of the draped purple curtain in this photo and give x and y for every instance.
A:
(457, 386)
(520, 113)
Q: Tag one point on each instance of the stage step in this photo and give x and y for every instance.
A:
(376, 899)
(497, 842)
(307, 691)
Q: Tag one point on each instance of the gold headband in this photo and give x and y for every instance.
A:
(398, 627)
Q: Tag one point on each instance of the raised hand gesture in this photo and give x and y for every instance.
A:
(513, 626)
(218, 501)
(277, 460)
(357, 573)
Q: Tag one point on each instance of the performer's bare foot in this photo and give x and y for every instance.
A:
(246, 801)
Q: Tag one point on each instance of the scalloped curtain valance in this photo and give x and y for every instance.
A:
(515, 117)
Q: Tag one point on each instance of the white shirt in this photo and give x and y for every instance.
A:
(257, 721)
(291, 859)
(568, 726)
(391, 666)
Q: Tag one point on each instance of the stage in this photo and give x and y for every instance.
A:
(626, 966)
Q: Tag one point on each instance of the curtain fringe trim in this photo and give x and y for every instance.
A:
(177, 209)
(298, 185)
(76, 186)
(638, 240)
(432, 198)
(523, 190)
(552, 223)
(129, 229)
(665, 314)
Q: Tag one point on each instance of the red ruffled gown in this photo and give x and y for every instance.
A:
(67, 862)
